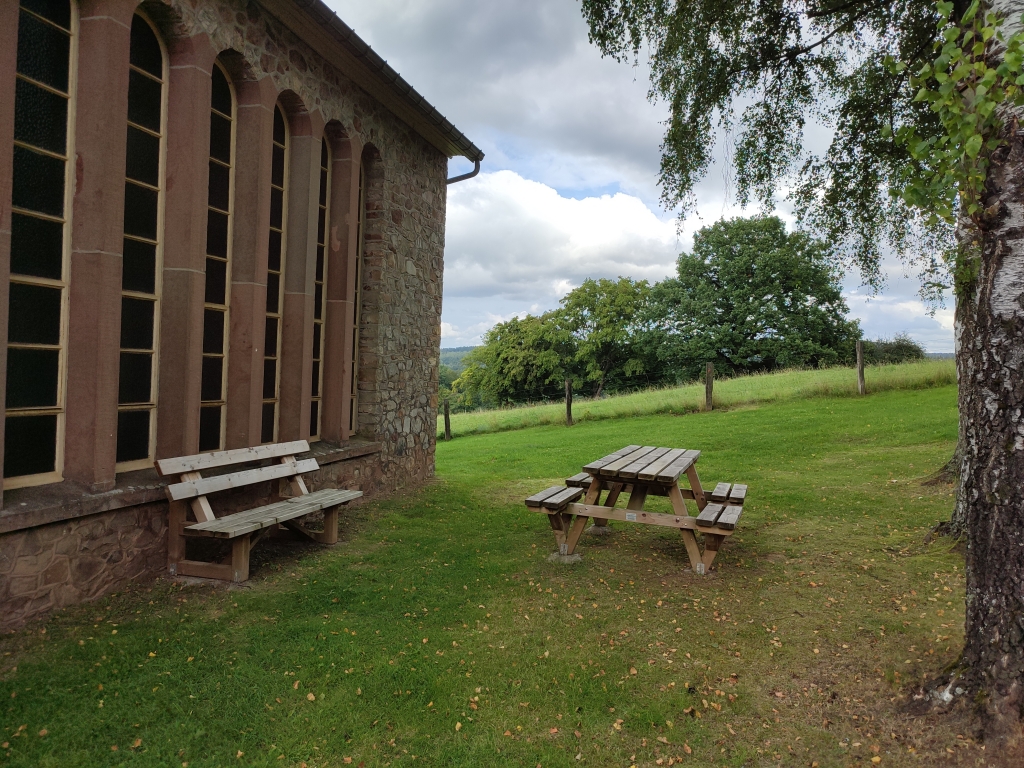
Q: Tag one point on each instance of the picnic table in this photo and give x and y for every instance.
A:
(641, 472)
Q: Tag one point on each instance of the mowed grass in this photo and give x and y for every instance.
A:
(438, 633)
(742, 390)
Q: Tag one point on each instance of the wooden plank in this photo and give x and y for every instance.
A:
(535, 500)
(637, 497)
(240, 559)
(202, 570)
(729, 517)
(573, 537)
(582, 480)
(630, 472)
(721, 492)
(647, 518)
(205, 486)
(692, 550)
(200, 505)
(251, 520)
(739, 493)
(710, 514)
(593, 467)
(612, 469)
(295, 482)
(711, 544)
(672, 472)
(652, 471)
(203, 461)
(563, 497)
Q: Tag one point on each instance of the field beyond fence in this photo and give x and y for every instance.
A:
(729, 393)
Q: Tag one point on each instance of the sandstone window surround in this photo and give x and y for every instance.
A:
(319, 291)
(142, 256)
(37, 327)
(276, 263)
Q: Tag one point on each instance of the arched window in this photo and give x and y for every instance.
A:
(218, 263)
(357, 295)
(140, 277)
(275, 282)
(37, 320)
(319, 293)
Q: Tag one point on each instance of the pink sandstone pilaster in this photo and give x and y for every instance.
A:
(96, 239)
(341, 285)
(299, 276)
(184, 268)
(254, 142)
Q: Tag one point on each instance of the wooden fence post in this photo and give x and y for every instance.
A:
(861, 389)
(709, 387)
(447, 421)
(568, 402)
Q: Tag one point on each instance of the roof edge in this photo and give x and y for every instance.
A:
(322, 29)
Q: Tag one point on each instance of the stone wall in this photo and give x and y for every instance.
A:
(51, 566)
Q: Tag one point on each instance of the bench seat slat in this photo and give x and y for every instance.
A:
(562, 499)
(216, 459)
(721, 492)
(739, 493)
(582, 480)
(730, 517)
(252, 520)
(710, 515)
(537, 498)
(207, 485)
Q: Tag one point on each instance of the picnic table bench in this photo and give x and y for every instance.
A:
(188, 497)
(642, 471)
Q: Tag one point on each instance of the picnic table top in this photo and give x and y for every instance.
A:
(645, 464)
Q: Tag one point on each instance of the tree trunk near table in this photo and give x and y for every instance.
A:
(990, 370)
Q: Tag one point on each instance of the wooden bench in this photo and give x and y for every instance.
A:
(188, 498)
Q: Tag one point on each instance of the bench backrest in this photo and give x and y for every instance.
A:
(194, 487)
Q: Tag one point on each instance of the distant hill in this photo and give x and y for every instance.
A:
(452, 357)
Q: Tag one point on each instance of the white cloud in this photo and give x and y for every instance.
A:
(512, 238)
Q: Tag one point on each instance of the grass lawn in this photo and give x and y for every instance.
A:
(438, 634)
(780, 386)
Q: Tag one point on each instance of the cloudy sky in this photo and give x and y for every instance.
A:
(568, 188)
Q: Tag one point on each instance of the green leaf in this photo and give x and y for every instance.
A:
(973, 145)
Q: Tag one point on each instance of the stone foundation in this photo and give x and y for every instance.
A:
(52, 565)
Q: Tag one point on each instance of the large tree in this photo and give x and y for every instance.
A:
(926, 159)
(751, 297)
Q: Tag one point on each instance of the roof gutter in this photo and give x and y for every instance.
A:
(463, 177)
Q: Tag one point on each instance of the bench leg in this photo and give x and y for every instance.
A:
(330, 534)
(176, 519)
(692, 551)
(240, 559)
(557, 520)
(711, 544)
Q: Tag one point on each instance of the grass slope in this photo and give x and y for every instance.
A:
(438, 634)
(742, 390)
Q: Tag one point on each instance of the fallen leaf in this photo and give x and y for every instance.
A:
(137, 744)
(346, 760)
(632, 670)
(43, 732)
(876, 759)
(295, 685)
(507, 733)
(310, 697)
(458, 726)
(113, 747)
(687, 750)
(240, 753)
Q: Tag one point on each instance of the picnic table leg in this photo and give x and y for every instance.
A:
(637, 497)
(711, 544)
(695, 486)
(601, 527)
(574, 534)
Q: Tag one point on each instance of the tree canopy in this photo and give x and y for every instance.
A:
(763, 71)
(751, 297)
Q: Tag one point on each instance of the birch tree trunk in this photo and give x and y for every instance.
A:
(990, 369)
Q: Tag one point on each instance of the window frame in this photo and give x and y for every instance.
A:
(279, 315)
(318, 353)
(357, 300)
(157, 294)
(224, 308)
(64, 284)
